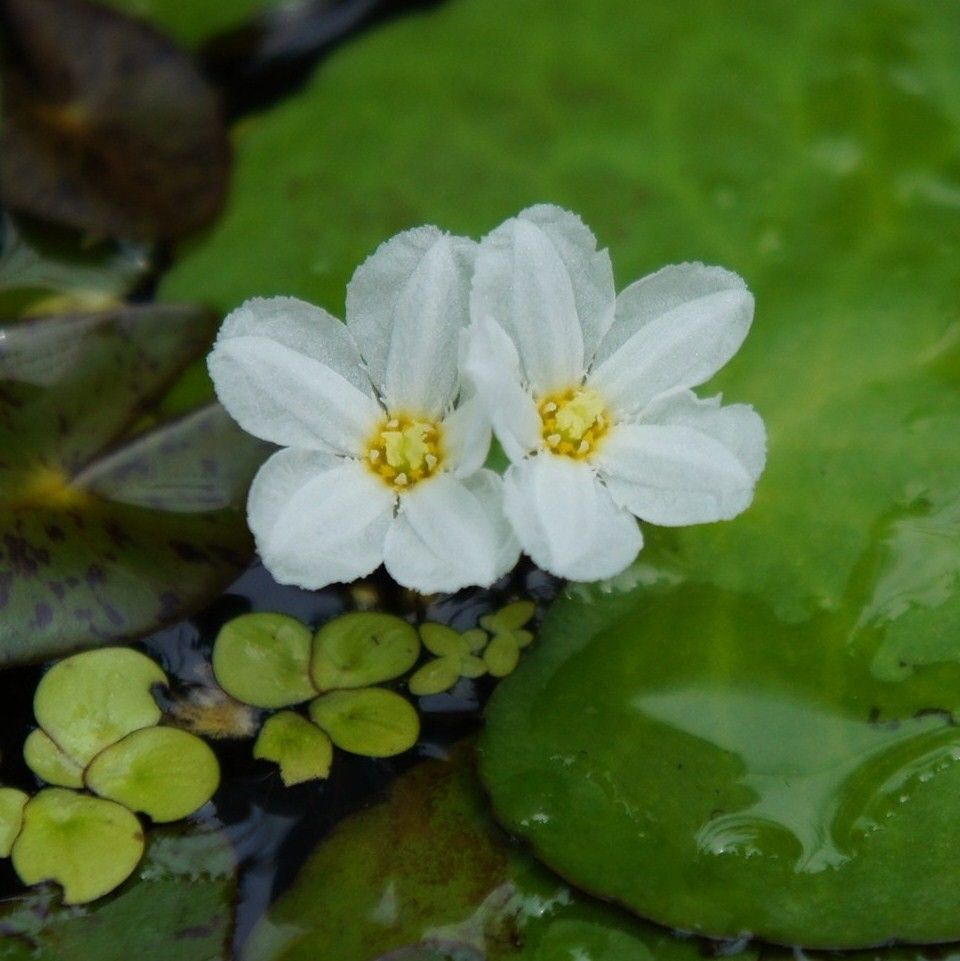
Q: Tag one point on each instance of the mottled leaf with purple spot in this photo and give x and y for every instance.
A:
(111, 525)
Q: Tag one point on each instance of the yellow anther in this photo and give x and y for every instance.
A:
(405, 450)
(574, 421)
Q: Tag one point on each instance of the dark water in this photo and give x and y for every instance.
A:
(274, 828)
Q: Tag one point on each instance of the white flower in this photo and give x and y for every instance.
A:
(589, 393)
(383, 452)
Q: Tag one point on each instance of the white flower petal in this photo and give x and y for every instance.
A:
(406, 306)
(450, 534)
(523, 284)
(492, 368)
(737, 426)
(590, 270)
(318, 519)
(675, 328)
(290, 373)
(466, 437)
(673, 475)
(566, 519)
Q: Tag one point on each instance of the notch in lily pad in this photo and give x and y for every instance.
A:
(264, 660)
(91, 700)
(362, 648)
(372, 722)
(45, 758)
(300, 748)
(87, 845)
(163, 772)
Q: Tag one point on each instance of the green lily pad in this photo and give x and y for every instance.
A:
(87, 845)
(427, 875)
(12, 803)
(107, 530)
(264, 660)
(302, 750)
(91, 700)
(45, 758)
(181, 899)
(434, 677)
(372, 721)
(361, 648)
(163, 772)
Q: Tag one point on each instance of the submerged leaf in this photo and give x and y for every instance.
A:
(360, 648)
(302, 750)
(107, 531)
(163, 772)
(120, 136)
(12, 803)
(91, 700)
(373, 722)
(263, 659)
(87, 845)
(45, 758)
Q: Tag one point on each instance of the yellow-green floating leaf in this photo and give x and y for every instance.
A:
(372, 722)
(359, 649)
(509, 618)
(502, 655)
(12, 803)
(92, 700)
(441, 640)
(264, 660)
(49, 763)
(302, 750)
(162, 771)
(435, 677)
(87, 845)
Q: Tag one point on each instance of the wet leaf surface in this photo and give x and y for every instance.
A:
(108, 126)
(109, 529)
(372, 721)
(181, 900)
(433, 878)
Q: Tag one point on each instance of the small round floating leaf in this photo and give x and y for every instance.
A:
(49, 763)
(12, 803)
(359, 649)
(509, 618)
(435, 677)
(264, 660)
(92, 700)
(522, 637)
(302, 750)
(476, 639)
(87, 845)
(442, 640)
(472, 667)
(162, 771)
(372, 722)
(502, 655)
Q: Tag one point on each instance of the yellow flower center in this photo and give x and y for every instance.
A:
(574, 421)
(404, 450)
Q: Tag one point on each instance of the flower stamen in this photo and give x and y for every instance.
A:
(574, 422)
(405, 450)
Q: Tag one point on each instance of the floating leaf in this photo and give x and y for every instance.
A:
(434, 677)
(123, 136)
(502, 655)
(264, 660)
(12, 803)
(509, 618)
(302, 750)
(195, 21)
(180, 900)
(372, 721)
(358, 649)
(98, 545)
(87, 845)
(45, 758)
(427, 875)
(163, 772)
(91, 700)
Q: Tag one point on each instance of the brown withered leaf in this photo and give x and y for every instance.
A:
(107, 125)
